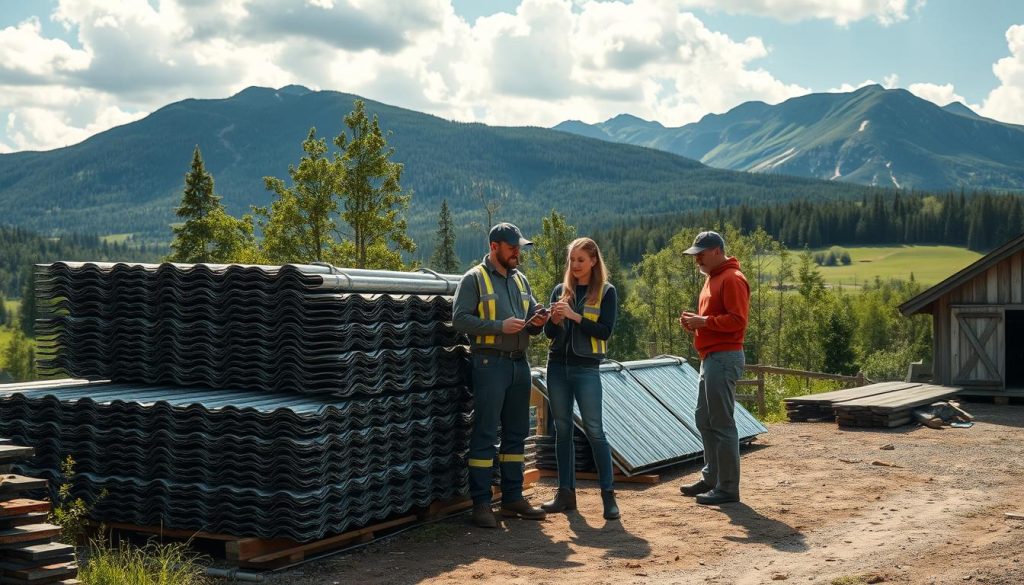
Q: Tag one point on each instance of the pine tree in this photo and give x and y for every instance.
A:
(372, 196)
(208, 233)
(28, 303)
(836, 334)
(301, 224)
(444, 258)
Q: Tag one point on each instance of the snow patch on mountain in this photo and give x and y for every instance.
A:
(773, 161)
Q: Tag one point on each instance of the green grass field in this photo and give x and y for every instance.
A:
(115, 238)
(929, 264)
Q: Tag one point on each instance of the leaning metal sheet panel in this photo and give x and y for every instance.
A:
(642, 433)
(674, 382)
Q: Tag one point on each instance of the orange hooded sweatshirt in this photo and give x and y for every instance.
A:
(725, 301)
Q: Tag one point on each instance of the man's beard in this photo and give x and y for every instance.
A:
(509, 263)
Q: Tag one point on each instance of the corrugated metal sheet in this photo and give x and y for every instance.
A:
(675, 384)
(648, 413)
(253, 401)
(243, 462)
(242, 327)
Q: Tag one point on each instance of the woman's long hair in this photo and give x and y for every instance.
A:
(598, 274)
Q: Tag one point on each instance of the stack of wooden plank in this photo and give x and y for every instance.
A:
(822, 406)
(890, 409)
(28, 555)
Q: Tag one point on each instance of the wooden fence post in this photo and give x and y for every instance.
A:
(762, 408)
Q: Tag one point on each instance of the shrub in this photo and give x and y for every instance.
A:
(68, 512)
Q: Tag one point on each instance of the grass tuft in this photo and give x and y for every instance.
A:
(153, 564)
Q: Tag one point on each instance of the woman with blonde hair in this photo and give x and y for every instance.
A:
(583, 311)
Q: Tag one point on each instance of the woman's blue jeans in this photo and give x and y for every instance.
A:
(567, 384)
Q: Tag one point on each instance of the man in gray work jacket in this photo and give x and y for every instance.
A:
(496, 308)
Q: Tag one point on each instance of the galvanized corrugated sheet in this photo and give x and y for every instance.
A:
(675, 385)
(648, 413)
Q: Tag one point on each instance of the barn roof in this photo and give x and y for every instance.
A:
(922, 301)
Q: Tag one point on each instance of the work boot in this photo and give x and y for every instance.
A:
(521, 509)
(565, 500)
(611, 509)
(717, 497)
(483, 516)
(695, 489)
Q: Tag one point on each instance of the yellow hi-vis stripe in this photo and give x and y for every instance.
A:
(592, 312)
(523, 294)
(480, 462)
(511, 458)
(486, 309)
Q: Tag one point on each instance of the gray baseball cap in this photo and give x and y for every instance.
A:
(508, 233)
(705, 241)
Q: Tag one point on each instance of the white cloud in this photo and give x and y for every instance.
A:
(1006, 102)
(551, 60)
(842, 12)
(941, 95)
(30, 58)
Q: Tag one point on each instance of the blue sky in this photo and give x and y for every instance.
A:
(71, 68)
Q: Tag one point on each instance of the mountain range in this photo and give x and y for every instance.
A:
(872, 136)
(130, 178)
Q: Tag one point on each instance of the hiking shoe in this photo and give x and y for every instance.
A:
(695, 489)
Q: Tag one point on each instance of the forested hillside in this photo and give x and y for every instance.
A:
(130, 178)
(20, 249)
(980, 223)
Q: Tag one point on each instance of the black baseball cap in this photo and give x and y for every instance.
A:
(508, 233)
(705, 241)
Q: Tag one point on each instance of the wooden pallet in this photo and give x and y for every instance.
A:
(273, 553)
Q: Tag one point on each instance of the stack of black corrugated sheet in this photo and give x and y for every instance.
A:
(315, 405)
(243, 462)
(256, 328)
(544, 447)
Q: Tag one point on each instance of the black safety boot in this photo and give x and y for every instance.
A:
(611, 509)
(483, 516)
(565, 500)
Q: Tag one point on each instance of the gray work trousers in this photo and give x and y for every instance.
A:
(715, 419)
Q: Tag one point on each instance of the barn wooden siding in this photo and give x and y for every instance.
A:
(999, 287)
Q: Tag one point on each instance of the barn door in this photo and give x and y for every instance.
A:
(978, 335)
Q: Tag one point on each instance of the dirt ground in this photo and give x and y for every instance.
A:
(817, 508)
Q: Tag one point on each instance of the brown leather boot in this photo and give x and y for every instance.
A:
(483, 516)
(565, 499)
(521, 509)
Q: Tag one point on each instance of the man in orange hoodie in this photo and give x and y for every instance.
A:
(718, 327)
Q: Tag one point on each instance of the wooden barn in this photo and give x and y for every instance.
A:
(978, 317)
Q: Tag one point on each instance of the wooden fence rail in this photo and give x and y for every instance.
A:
(761, 370)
